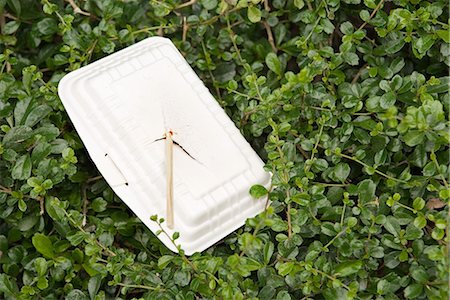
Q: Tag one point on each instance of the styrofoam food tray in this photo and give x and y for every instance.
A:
(122, 103)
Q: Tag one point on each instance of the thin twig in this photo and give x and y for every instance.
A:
(266, 205)
(77, 9)
(183, 256)
(266, 5)
(108, 251)
(85, 203)
(330, 184)
(355, 79)
(2, 22)
(303, 152)
(5, 189)
(334, 238)
(330, 277)
(372, 14)
(91, 50)
(236, 23)
(189, 3)
(89, 180)
(319, 136)
(270, 36)
(160, 31)
(289, 220)
(343, 213)
(41, 205)
(139, 286)
(9, 16)
(185, 29)
(246, 114)
(375, 170)
(119, 290)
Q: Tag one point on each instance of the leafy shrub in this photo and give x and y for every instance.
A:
(346, 101)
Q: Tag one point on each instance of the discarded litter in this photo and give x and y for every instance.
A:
(121, 104)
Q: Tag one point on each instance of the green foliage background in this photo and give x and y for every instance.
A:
(346, 100)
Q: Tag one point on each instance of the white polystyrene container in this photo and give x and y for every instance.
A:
(122, 103)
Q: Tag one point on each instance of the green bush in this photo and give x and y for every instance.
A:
(346, 100)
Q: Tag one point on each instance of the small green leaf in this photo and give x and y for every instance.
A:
(22, 168)
(42, 283)
(341, 171)
(444, 35)
(321, 164)
(299, 4)
(351, 58)
(27, 78)
(11, 27)
(99, 204)
(414, 138)
(267, 293)
(273, 63)
(54, 208)
(413, 291)
(254, 14)
(268, 252)
(40, 151)
(429, 169)
(437, 234)
(301, 198)
(285, 268)
(94, 285)
(43, 245)
(419, 274)
(347, 268)
(209, 4)
(76, 294)
(182, 277)
(106, 45)
(387, 100)
(413, 233)
(418, 204)
(8, 286)
(28, 222)
(164, 260)
(327, 228)
(22, 205)
(69, 155)
(37, 114)
(392, 225)
(346, 28)
(15, 6)
(335, 293)
(76, 238)
(420, 221)
(47, 26)
(366, 191)
(257, 191)
(283, 295)
(423, 43)
(40, 264)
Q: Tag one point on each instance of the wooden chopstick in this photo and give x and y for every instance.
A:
(169, 179)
